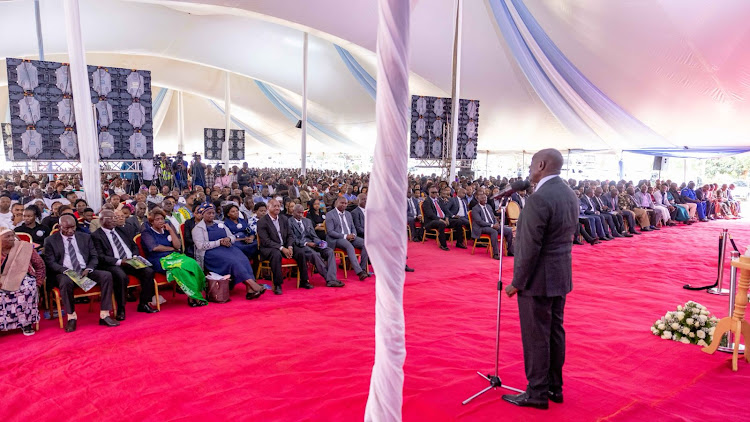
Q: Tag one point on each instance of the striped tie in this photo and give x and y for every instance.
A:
(73, 257)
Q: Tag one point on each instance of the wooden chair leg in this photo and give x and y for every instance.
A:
(156, 292)
(298, 271)
(56, 293)
(114, 304)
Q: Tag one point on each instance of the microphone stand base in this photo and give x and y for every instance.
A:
(495, 382)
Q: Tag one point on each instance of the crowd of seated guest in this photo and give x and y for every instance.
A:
(252, 215)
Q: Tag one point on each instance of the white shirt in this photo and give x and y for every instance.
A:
(67, 263)
(278, 229)
(544, 180)
(128, 252)
(344, 225)
(6, 219)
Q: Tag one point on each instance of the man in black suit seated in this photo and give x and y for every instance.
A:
(276, 241)
(307, 241)
(413, 215)
(435, 217)
(114, 246)
(519, 198)
(618, 226)
(358, 215)
(485, 222)
(71, 250)
(542, 277)
(587, 205)
(458, 210)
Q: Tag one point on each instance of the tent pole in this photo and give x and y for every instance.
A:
(456, 88)
(88, 146)
(180, 122)
(304, 106)
(228, 125)
(684, 170)
(39, 39)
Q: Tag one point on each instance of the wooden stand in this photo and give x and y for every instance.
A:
(736, 323)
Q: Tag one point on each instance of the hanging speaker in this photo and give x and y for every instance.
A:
(657, 163)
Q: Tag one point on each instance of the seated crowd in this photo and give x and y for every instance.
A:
(248, 220)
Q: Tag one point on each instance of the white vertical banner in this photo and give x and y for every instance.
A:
(228, 126)
(180, 122)
(88, 144)
(456, 89)
(304, 106)
(386, 230)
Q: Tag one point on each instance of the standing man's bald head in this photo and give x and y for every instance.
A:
(546, 162)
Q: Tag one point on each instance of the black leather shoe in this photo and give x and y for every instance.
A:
(654, 228)
(645, 229)
(146, 308)
(445, 248)
(605, 238)
(71, 325)
(461, 246)
(626, 234)
(120, 316)
(307, 286)
(408, 269)
(108, 322)
(577, 242)
(635, 233)
(496, 257)
(555, 397)
(335, 283)
(277, 290)
(524, 400)
(363, 275)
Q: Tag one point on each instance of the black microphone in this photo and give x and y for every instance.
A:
(513, 187)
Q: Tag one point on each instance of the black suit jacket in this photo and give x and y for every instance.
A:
(267, 236)
(301, 237)
(430, 213)
(515, 197)
(588, 209)
(54, 252)
(104, 249)
(544, 240)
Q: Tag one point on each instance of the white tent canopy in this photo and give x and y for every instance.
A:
(678, 66)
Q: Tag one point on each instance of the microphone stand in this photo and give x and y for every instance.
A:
(495, 380)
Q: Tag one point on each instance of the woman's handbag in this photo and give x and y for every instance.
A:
(218, 288)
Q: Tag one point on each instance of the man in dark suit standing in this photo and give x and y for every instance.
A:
(435, 217)
(542, 277)
(306, 240)
(72, 250)
(114, 246)
(276, 241)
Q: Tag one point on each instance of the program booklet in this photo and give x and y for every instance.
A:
(83, 282)
(138, 262)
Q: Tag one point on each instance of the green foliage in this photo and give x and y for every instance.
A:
(736, 166)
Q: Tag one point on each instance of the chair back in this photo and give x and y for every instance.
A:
(182, 234)
(512, 210)
(24, 236)
(55, 230)
(471, 220)
(137, 240)
(304, 213)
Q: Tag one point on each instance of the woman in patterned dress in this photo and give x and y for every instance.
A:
(19, 263)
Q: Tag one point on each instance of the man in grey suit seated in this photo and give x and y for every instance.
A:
(484, 222)
(308, 242)
(340, 233)
(358, 215)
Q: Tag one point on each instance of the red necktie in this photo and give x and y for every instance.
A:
(438, 209)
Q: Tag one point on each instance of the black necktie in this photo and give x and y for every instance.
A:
(118, 244)
(73, 257)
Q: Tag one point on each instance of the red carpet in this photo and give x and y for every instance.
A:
(307, 355)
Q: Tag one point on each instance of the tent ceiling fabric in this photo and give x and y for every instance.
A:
(678, 66)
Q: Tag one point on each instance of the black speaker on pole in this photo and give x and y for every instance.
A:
(657, 163)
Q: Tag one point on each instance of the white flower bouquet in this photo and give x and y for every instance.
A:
(691, 323)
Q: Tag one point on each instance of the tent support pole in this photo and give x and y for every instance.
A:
(304, 107)
(456, 88)
(180, 122)
(684, 170)
(39, 39)
(228, 125)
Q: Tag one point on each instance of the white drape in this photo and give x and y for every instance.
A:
(303, 158)
(161, 114)
(385, 229)
(228, 126)
(180, 122)
(88, 144)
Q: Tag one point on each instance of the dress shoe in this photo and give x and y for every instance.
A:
(460, 246)
(524, 400)
(654, 228)
(617, 235)
(363, 275)
(307, 286)
(496, 257)
(671, 223)
(71, 325)
(408, 269)
(555, 397)
(147, 309)
(277, 290)
(645, 229)
(335, 283)
(594, 242)
(577, 242)
(108, 322)
(626, 234)
(445, 248)
(605, 238)
(131, 297)
(120, 315)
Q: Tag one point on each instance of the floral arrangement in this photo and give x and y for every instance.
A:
(690, 324)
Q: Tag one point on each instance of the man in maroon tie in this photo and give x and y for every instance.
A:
(435, 217)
